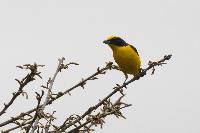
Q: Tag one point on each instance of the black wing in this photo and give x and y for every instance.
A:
(134, 49)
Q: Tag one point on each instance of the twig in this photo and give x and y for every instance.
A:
(91, 77)
(116, 89)
(16, 127)
(49, 120)
(39, 98)
(100, 117)
(29, 77)
(48, 95)
(82, 83)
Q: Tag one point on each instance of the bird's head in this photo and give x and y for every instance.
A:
(115, 41)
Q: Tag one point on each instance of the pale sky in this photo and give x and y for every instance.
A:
(43, 30)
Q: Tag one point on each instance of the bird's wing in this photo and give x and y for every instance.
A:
(134, 49)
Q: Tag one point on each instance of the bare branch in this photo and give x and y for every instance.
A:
(59, 68)
(22, 83)
(98, 117)
(75, 123)
(39, 98)
(60, 94)
(118, 88)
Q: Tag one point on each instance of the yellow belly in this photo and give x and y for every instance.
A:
(127, 59)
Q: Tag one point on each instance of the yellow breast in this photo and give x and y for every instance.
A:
(127, 59)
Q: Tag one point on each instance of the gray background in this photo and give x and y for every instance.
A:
(42, 31)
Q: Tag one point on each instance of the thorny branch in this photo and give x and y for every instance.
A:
(37, 113)
(108, 109)
(39, 107)
(59, 68)
(118, 88)
(22, 83)
(85, 122)
(99, 71)
(97, 119)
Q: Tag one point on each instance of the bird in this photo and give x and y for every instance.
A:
(125, 55)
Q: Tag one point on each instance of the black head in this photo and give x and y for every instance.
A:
(114, 40)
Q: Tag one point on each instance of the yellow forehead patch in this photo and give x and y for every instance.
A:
(110, 37)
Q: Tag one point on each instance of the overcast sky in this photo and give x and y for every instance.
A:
(43, 30)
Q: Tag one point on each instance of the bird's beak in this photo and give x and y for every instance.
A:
(106, 41)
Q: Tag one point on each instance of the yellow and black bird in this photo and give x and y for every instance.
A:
(125, 55)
